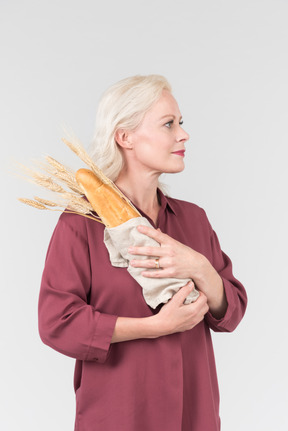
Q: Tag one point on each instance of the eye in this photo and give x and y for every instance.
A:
(169, 124)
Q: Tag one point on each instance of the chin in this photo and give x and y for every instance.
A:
(174, 170)
(178, 168)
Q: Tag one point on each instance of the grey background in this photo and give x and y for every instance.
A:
(227, 63)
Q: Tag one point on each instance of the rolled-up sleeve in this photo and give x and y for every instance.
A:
(235, 292)
(67, 322)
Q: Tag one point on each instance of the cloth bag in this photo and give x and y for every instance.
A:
(155, 290)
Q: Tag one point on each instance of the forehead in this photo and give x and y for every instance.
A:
(166, 105)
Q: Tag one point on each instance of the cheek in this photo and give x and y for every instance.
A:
(145, 144)
(151, 145)
(145, 153)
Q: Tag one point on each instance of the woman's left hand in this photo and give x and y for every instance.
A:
(174, 258)
(180, 261)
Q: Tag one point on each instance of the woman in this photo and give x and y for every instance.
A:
(139, 369)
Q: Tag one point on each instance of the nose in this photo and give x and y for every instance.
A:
(182, 135)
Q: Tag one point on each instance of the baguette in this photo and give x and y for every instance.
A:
(106, 200)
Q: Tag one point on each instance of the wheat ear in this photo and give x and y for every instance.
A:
(71, 200)
(78, 149)
(62, 173)
(43, 204)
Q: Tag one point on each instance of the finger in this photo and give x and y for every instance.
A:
(201, 297)
(155, 234)
(202, 301)
(146, 251)
(157, 273)
(146, 263)
(182, 293)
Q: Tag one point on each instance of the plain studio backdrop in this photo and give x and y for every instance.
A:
(227, 62)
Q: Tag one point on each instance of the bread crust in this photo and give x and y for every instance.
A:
(106, 202)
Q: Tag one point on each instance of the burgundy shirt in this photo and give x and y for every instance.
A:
(168, 383)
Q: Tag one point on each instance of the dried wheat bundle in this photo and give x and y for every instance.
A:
(62, 173)
(78, 149)
(61, 180)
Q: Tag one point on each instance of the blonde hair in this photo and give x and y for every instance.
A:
(123, 105)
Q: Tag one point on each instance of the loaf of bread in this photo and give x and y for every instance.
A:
(106, 200)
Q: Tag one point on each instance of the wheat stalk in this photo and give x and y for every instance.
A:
(32, 203)
(78, 149)
(62, 173)
(43, 204)
(79, 202)
(69, 192)
(46, 202)
(40, 179)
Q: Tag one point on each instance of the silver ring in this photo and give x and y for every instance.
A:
(157, 266)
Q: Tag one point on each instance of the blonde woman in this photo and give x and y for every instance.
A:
(139, 369)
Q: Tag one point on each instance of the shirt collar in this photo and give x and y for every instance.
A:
(165, 201)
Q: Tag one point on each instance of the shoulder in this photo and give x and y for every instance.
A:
(74, 221)
(75, 224)
(75, 232)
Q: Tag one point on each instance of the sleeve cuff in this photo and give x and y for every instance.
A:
(99, 348)
(225, 324)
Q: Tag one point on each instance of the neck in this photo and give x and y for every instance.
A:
(142, 191)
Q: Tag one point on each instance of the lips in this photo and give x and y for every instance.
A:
(179, 153)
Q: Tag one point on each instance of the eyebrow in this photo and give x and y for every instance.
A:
(170, 115)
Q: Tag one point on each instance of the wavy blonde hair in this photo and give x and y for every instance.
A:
(122, 106)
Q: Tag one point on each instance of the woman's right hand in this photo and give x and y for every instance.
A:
(175, 316)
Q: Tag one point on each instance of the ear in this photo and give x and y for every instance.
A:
(122, 137)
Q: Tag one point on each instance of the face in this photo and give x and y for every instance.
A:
(158, 143)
